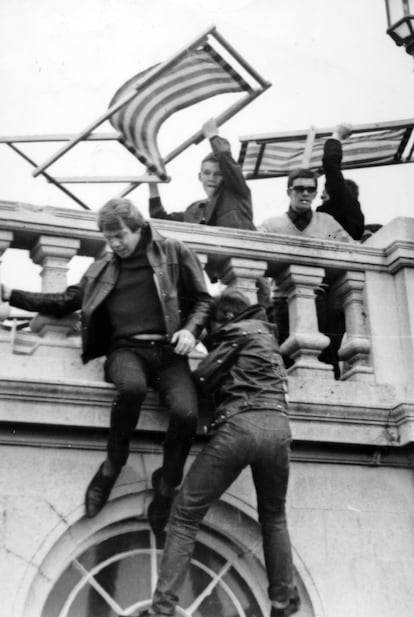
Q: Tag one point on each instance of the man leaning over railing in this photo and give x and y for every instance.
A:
(300, 220)
(228, 202)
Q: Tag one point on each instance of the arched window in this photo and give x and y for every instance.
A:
(107, 566)
(116, 575)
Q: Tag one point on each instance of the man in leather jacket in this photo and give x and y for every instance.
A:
(142, 307)
(244, 372)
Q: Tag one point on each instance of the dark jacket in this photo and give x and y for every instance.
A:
(244, 369)
(178, 278)
(342, 204)
(230, 206)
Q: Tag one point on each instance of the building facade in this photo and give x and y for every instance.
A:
(351, 495)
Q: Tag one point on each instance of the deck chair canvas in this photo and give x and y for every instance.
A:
(207, 67)
(276, 154)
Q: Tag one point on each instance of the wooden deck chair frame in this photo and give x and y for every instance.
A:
(260, 85)
(308, 136)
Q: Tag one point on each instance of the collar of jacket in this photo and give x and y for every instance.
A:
(151, 239)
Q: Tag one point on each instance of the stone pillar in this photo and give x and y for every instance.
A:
(6, 238)
(243, 274)
(305, 342)
(54, 253)
(355, 348)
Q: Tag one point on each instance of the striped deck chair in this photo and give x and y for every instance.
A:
(200, 74)
(207, 67)
(370, 145)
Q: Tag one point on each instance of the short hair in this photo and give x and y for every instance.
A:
(209, 158)
(301, 172)
(352, 187)
(120, 211)
(230, 301)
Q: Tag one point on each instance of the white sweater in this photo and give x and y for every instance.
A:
(322, 226)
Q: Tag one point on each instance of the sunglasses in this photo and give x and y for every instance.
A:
(301, 189)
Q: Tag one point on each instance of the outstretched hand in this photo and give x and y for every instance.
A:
(184, 342)
(342, 131)
(210, 128)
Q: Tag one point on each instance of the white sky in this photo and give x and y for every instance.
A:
(328, 61)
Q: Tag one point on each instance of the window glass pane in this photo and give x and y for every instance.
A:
(122, 572)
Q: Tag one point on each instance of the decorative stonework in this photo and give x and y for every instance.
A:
(355, 349)
(54, 253)
(305, 342)
(243, 274)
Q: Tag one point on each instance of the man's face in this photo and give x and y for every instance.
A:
(302, 193)
(122, 240)
(210, 177)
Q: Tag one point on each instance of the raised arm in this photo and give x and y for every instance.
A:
(232, 174)
(156, 209)
(332, 162)
(343, 202)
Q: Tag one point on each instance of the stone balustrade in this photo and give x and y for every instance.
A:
(372, 282)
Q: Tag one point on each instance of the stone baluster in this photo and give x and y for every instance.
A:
(355, 348)
(243, 274)
(54, 253)
(6, 238)
(304, 343)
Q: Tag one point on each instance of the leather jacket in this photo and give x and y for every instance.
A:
(231, 204)
(179, 281)
(244, 370)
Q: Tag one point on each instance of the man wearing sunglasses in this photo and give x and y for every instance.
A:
(300, 220)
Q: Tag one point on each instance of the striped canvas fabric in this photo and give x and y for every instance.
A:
(277, 157)
(200, 74)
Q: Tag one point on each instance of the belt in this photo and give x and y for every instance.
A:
(149, 337)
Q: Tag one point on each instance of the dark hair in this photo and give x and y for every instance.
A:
(301, 172)
(117, 211)
(352, 187)
(230, 301)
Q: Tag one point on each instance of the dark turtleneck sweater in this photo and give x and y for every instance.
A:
(133, 304)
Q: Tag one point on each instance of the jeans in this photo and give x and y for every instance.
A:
(132, 369)
(260, 439)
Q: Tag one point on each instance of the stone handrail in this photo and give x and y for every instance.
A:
(373, 283)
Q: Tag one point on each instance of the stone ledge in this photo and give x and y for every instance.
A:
(150, 442)
(28, 221)
(333, 412)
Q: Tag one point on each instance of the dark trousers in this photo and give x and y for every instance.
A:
(132, 370)
(260, 439)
